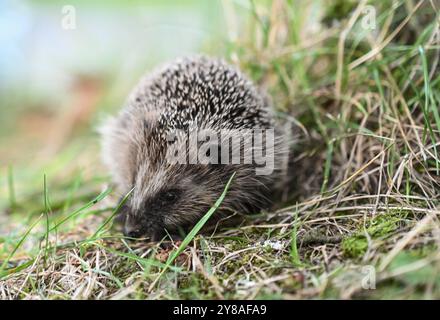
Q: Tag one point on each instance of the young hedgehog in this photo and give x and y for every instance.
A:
(190, 95)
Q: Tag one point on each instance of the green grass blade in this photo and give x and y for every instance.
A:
(101, 196)
(328, 163)
(114, 213)
(47, 210)
(23, 238)
(428, 99)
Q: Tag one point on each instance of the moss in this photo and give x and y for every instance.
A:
(383, 225)
(354, 246)
(380, 226)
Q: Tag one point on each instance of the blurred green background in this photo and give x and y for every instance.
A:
(57, 84)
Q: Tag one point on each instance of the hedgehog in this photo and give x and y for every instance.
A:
(160, 120)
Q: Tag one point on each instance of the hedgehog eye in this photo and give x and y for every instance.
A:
(170, 195)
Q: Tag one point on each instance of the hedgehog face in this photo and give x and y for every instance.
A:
(148, 220)
(170, 197)
(172, 200)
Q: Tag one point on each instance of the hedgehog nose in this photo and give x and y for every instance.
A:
(132, 232)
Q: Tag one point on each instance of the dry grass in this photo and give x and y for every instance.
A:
(364, 108)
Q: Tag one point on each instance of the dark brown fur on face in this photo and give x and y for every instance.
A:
(188, 95)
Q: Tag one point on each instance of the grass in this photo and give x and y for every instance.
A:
(363, 202)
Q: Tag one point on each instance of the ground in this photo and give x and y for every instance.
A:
(360, 218)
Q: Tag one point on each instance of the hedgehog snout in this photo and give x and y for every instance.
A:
(131, 229)
(135, 227)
